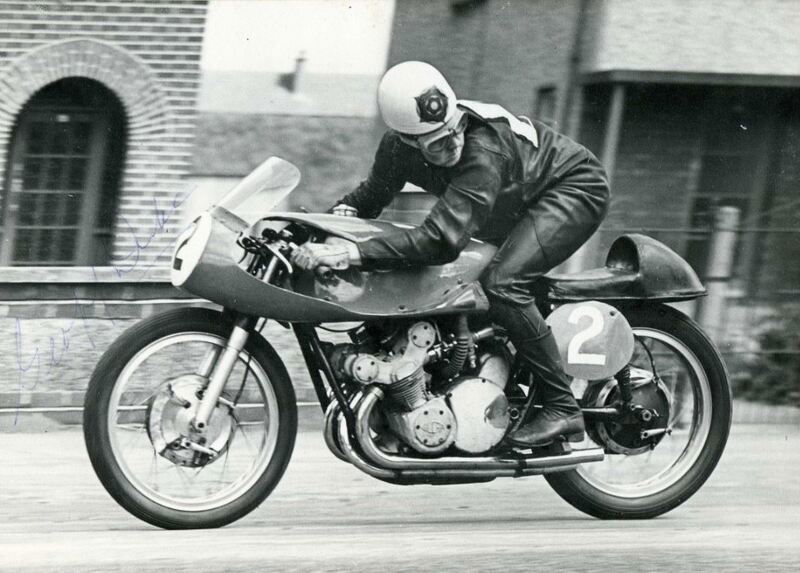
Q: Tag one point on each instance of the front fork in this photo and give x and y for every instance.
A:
(222, 363)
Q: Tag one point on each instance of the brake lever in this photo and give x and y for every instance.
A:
(280, 256)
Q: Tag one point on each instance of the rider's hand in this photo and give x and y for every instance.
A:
(336, 254)
(345, 210)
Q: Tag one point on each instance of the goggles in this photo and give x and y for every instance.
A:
(438, 140)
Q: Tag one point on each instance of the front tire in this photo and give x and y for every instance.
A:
(700, 413)
(139, 400)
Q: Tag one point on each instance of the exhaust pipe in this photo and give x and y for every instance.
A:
(354, 458)
(367, 457)
(509, 466)
(438, 476)
(331, 415)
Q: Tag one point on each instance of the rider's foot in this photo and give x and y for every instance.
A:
(547, 425)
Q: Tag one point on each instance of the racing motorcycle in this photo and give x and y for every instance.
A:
(190, 416)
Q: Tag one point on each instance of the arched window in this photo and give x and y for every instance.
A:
(65, 166)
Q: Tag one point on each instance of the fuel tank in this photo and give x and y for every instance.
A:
(208, 265)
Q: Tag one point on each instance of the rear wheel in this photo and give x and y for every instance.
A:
(141, 399)
(691, 389)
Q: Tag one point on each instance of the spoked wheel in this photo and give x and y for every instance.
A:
(679, 376)
(141, 400)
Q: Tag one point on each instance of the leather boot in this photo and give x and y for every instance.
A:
(537, 353)
(560, 414)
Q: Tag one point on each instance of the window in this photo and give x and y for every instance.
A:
(63, 177)
(733, 161)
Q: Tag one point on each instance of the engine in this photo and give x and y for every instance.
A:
(442, 391)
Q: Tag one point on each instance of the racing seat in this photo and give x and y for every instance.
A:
(637, 267)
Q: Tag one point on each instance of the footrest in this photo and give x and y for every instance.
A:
(576, 438)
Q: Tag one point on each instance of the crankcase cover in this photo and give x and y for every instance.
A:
(495, 367)
(429, 429)
(481, 411)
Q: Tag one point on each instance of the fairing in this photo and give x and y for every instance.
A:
(349, 295)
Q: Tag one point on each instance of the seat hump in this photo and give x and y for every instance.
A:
(637, 267)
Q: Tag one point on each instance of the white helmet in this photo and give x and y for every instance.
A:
(415, 99)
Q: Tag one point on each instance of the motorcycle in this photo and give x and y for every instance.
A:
(190, 416)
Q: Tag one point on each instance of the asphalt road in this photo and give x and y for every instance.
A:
(326, 516)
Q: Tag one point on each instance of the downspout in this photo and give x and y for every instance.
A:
(616, 111)
(570, 116)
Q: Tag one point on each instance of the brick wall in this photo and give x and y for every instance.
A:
(333, 153)
(148, 53)
(506, 51)
(720, 36)
(501, 52)
(55, 324)
(657, 161)
(429, 30)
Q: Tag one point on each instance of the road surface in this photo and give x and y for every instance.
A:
(326, 516)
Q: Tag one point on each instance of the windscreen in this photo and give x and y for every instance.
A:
(266, 187)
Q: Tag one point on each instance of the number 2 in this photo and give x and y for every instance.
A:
(574, 354)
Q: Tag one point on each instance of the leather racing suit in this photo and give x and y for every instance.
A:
(532, 191)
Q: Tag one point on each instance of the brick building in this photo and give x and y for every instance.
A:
(112, 132)
(690, 105)
(97, 120)
(102, 103)
(116, 126)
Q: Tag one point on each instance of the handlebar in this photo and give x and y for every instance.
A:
(285, 250)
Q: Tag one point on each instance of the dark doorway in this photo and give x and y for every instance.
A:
(64, 176)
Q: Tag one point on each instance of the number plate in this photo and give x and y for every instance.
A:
(594, 339)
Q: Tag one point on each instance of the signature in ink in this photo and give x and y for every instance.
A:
(55, 358)
(59, 344)
(140, 244)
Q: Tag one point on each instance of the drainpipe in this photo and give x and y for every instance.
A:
(608, 158)
(719, 270)
(613, 130)
(570, 116)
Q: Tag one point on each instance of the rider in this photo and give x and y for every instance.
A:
(509, 181)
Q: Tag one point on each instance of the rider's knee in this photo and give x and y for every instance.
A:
(507, 288)
(497, 285)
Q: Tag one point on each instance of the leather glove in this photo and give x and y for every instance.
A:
(345, 210)
(336, 254)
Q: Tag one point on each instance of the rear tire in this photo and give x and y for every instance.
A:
(133, 491)
(591, 496)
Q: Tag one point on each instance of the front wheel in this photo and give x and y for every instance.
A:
(689, 384)
(141, 400)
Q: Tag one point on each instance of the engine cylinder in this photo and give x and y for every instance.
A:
(408, 391)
